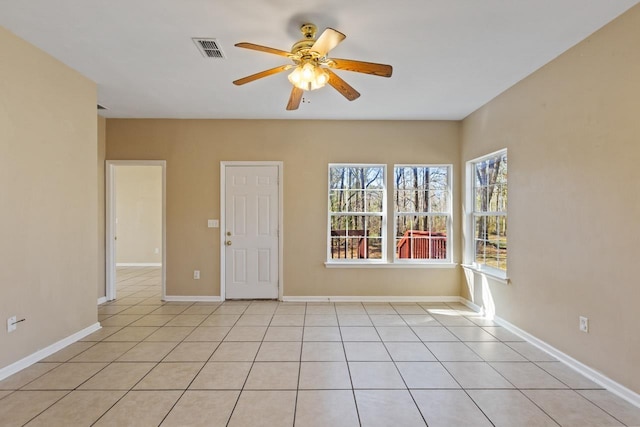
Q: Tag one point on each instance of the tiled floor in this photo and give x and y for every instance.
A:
(284, 364)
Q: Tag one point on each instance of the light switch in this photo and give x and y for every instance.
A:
(213, 223)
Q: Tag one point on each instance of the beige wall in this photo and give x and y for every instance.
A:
(193, 150)
(102, 150)
(48, 181)
(572, 133)
(139, 214)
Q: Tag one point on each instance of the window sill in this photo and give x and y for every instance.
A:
(501, 278)
(389, 265)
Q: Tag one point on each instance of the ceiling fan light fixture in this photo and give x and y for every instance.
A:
(309, 76)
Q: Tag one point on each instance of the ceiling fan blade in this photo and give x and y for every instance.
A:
(295, 98)
(329, 39)
(262, 74)
(381, 70)
(263, 49)
(341, 86)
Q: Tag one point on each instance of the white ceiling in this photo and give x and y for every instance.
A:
(449, 57)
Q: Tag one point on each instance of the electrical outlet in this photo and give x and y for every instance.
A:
(584, 324)
(196, 274)
(11, 324)
(213, 223)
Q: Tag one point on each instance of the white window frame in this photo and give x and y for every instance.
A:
(448, 214)
(382, 214)
(470, 217)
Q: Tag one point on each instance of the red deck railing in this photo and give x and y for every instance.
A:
(422, 245)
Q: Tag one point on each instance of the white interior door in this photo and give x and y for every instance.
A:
(251, 234)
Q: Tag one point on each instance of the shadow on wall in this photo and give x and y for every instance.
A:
(480, 292)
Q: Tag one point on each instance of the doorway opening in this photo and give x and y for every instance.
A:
(135, 228)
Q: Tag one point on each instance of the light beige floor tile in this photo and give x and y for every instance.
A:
(5, 393)
(68, 352)
(78, 408)
(396, 333)
(387, 320)
(284, 308)
(67, 376)
(206, 408)
(201, 309)
(452, 320)
(570, 409)
(502, 334)
(153, 320)
(509, 408)
(287, 320)
(230, 309)
(324, 376)
(615, 406)
(170, 376)
(471, 333)
(120, 320)
(379, 308)
(187, 320)
(409, 352)
(531, 352)
(273, 376)
(170, 309)
(279, 352)
(264, 408)
(21, 406)
(426, 375)
(526, 375)
(354, 320)
(366, 351)
(322, 351)
(147, 352)
(246, 333)
(383, 408)
(221, 320)
(192, 352)
(110, 309)
(568, 376)
(101, 333)
(408, 308)
(254, 320)
(236, 352)
(375, 375)
(22, 378)
(481, 321)
(320, 320)
(434, 333)
(420, 320)
(104, 352)
(170, 333)
(208, 333)
(495, 352)
(140, 409)
(359, 333)
(284, 333)
(449, 408)
(131, 333)
(452, 352)
(476, 375)
(321, 309)
(262, 308)
(322, 408)
(118, 376)
(321, 333)
(139, 309)
(350, 308)
(222, 376)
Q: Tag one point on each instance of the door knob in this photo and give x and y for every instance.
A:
(228, 233)
(228, 243)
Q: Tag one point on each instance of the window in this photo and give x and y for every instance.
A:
(489, 219)
(357, 219)
(422, 212)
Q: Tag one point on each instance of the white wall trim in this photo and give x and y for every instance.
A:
(102, 300)
(25, 362)
(595, 376)
(138, 264)
(473, 306)
(339, 298)
(192, 298)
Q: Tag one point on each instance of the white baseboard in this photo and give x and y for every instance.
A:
(102, 300)
(188, 298)
(595, 376)
(339, 298)
(139, 264)
(46, 352)
(473, 306)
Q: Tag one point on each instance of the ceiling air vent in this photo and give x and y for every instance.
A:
(209, 48)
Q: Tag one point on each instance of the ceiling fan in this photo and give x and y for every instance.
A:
(311, 66)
